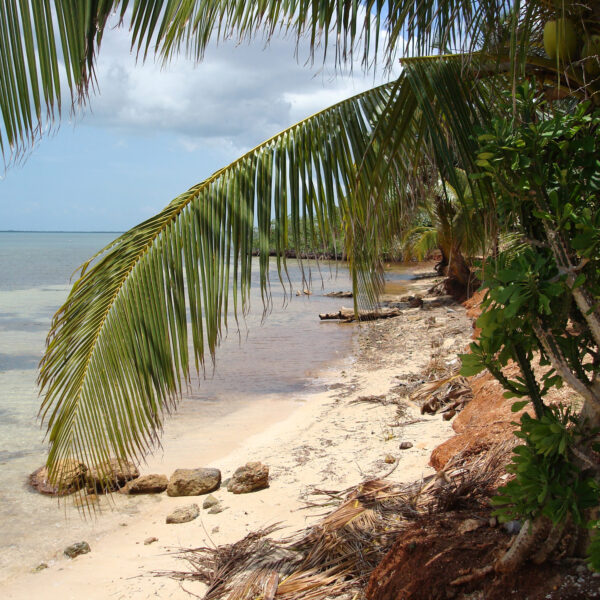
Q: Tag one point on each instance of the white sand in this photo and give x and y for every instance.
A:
(327, 442)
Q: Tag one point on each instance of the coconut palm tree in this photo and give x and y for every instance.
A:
(157, 298)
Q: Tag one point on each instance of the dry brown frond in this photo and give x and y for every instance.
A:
(338, 554)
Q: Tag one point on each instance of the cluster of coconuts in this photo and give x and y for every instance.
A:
(562, 42)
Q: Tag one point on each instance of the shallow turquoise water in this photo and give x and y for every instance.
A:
(273, 359)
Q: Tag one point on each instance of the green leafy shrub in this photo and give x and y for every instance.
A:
(542, 165)
(547, 482)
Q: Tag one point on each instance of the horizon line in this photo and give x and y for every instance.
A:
(58, 231)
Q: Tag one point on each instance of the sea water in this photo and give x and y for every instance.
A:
(275, 358)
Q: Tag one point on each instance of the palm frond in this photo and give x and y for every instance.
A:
(38, 40)
(118, 350)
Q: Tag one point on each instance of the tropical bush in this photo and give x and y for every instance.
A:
(541, 300)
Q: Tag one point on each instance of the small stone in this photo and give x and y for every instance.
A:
(512, 527)
(493, 522)
(405, 445)
(226, 482)
(389, 459)
(215, 530)
(40, 567)
(150, 540)
(184, 514)
(210, 501)
(215, 510)
(252, 476)
(469, 525)
(76, 549)
(146, 484)
(193, 482)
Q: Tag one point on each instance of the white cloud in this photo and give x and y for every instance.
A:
(238, 96)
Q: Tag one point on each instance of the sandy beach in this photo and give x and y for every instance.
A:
(329, 440)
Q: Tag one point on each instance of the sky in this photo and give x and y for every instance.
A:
(150, 133)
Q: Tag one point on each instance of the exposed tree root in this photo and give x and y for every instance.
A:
(551, 543)
(475, 575)
(532, 535)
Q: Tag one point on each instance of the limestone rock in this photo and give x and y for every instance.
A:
(76, 549)
(252, 476)
(184, 514)
(110, 475)
(146, 484)
(69, 478)
(210, 501)
(150, 540)
(193, 482)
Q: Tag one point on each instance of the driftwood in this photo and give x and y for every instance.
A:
(339, 295)
(347, 314)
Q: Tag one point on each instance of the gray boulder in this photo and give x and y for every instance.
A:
(193, 482)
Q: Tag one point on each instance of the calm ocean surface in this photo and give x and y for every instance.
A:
(275, 360)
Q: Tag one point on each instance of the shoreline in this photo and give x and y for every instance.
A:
(325, 441)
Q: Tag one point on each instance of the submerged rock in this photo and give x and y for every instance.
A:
(184, 514)
(110, 475)
(69, 477)
(193, 482)
(85, 501)
(76, 549)
(252, 476)
(146, 484)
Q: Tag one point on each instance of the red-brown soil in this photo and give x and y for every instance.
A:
(432, 553)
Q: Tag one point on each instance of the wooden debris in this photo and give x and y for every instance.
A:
(347, 314)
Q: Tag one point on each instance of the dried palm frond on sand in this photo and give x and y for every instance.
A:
(336, 556)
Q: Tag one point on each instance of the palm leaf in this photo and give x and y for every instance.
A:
(38, 38)
(37, 35)
(118, 352)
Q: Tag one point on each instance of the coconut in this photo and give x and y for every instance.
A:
(560, 40)
(590, 55)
